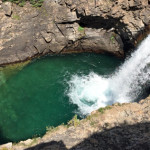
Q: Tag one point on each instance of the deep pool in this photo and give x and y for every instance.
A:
(34, 97)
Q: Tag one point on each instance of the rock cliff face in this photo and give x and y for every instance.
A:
(117, 127)
(66, 26)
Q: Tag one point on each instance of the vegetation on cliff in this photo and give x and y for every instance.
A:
(21, 3)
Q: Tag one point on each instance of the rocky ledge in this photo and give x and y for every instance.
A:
(66, 26)
(120, 126)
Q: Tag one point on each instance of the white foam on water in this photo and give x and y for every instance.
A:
(125, 85)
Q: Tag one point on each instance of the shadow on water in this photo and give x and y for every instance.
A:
(135, 137)
(3, 139)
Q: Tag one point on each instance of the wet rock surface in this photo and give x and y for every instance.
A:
(121, 126)
(66, 26)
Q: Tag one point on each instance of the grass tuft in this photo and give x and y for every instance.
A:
(16, 17)
(74, 122)
(51, 129)
(102, 109)
(80, 28)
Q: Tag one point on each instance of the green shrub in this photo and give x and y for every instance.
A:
(112, 39)
(74, 122)
(16, 17)
(21, 3)
(102, 109)
(80, 28)
(93, 123)
(36, 3)
(88, 117)
(51, 129)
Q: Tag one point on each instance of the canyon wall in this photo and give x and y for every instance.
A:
(67, 26)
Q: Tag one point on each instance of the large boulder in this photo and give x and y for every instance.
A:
(7, 7)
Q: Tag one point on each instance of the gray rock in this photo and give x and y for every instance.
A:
(47, 36)
(40, 45)
(108, 27)
(7, 7)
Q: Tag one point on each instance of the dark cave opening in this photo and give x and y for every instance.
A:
(109, 24)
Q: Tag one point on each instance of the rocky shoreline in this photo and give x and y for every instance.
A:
(120, 126)
(67, 26)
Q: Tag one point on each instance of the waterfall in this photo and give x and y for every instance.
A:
(125, 85)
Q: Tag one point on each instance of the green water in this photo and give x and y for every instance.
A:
(33, 98)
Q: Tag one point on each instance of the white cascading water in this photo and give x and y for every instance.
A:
(125, 85)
